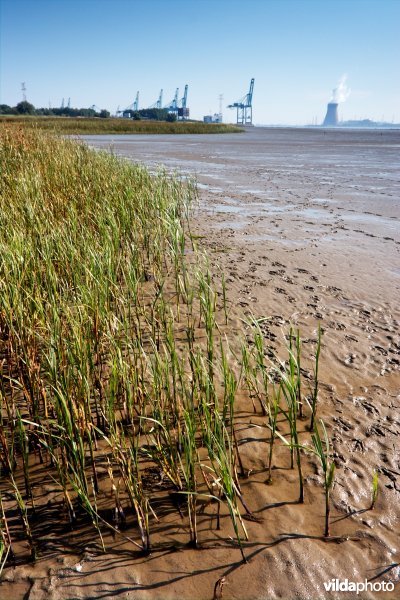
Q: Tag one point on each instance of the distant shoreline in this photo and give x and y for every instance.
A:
(390, 126)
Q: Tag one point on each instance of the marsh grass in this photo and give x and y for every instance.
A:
(88, 126)
(96, 287)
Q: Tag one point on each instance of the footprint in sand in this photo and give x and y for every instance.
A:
(277, 264)
(343, 424)
(351, 338)
(380, 350)
(350, 358)
(370, 408)
(375, 430)
(336, 325)
(287, 279)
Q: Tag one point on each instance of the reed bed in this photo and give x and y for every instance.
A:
(114, 360)
(103, 300)
(87, 126)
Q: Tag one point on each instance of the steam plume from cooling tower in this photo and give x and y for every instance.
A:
(339, 94)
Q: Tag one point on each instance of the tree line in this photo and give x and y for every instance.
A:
(26, 108)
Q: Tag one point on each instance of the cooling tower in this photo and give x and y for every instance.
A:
(331, 119)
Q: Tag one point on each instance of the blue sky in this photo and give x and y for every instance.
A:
(102, 51)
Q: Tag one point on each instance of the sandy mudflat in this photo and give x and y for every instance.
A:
(305, 225)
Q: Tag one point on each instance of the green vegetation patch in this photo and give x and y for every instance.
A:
(87, 126)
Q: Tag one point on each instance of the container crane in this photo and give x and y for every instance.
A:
(158, 103)
(244, 107)
(184, 99)
(132, 108)
(136, 103)
(173, 105)
(183, 111)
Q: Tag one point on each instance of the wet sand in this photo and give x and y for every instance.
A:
(305, 226)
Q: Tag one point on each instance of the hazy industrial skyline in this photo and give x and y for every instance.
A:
(103, 51)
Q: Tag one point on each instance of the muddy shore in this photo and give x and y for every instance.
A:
(305, 226)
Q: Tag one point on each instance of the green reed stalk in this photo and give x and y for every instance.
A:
(6, 548)
(290, 385)
(23, 511)
(224, 298)
(24, 449)
(314, 396)
(273, 413)
(322, 451)
(222, 458)
(188, 463)
(260, 365)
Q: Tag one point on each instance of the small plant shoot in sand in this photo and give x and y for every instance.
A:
(273, 413)
(314, 395)
(322, 451)
(375, 489)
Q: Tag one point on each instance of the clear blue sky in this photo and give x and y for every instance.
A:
(102, 51)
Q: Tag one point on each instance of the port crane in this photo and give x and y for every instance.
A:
(173, 105)
(184, 99)
(158, 103)
(183, 111)
(244, 107)
(136, 103)
(134, 107)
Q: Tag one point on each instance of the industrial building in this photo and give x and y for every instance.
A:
(331, 117)
(215, 118)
